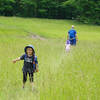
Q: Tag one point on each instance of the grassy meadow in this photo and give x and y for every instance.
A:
(62, 76)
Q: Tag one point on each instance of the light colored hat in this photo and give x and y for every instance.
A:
(29, 46)
(73, 26)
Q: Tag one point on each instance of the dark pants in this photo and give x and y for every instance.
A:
(25, 77)
(73, 41)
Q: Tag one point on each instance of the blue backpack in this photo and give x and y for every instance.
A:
(34, 62)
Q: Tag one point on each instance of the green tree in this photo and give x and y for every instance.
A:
(86, 11)
(6, 7)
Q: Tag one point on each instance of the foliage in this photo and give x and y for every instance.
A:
(86, 11)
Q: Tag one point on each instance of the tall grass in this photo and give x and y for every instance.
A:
(62, 76)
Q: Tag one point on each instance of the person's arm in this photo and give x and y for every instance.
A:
(37, 65)
(37, 68)
(76, 35)
(17, 59)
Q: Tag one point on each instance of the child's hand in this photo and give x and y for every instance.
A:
(17, 59)
(37, 70)
(14, 61)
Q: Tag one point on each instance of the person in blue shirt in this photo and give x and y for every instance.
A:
(72, 36)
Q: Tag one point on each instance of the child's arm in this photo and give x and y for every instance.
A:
(17, 59)
(37, 68)
(37, 65)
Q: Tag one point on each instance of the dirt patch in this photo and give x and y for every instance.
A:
(37, 37)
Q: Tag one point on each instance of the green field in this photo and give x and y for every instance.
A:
(62, 76)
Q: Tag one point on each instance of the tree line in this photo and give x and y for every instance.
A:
(86, 11)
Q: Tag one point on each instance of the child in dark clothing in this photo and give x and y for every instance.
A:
(30, 64)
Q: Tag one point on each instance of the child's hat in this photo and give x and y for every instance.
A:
(29, 46)
(67, 42)
(73, 26)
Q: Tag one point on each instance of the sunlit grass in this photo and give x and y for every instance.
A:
(72, 76)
